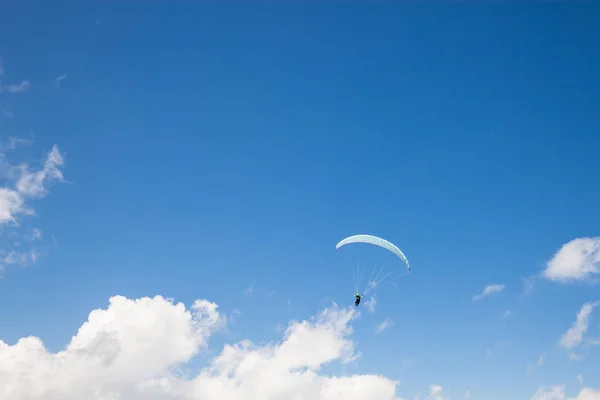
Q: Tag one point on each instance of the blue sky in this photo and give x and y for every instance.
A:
(218, 152)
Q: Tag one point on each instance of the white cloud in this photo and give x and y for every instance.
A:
(507, 314)
(574, 336)
(541, 360)
(575, 357)
(489, 290)
(577, 260)
(539, 363)
(528, 284)
(18, 258)
(23, 185)
(384, 325)
(36, 233)
(60, 78)
(370, 304)
(558, 393)
(436, 393)
(21, 87)
(11, 205)
(14, 142)
(550, 393)
(34, 184)
(587, 394)
(136, 350)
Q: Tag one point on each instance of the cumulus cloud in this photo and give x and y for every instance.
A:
(136, 350)
(577, 260)
(489, 290)
(384, 325)
(574, 336)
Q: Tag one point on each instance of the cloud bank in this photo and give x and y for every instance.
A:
(137, 349)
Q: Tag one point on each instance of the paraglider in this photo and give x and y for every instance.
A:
(376, 241)
(357, 299)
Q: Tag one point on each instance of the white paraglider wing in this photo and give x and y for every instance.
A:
(376, 241)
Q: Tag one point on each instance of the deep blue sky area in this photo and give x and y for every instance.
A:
(211, 149)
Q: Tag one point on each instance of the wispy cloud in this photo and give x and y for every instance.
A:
(249, 290)
(370, 304)
(59, 79)
(574, 336)
(31, 184)
(19, 258)
(436, 393)
(35, 184)
(580, 379)
(541, 360)
(575, 357)
(21, 87)
(384, 325)
(577, 260)
(558, 392)
(15, 142)
(507, 314)
(528, 284)
(550, 393)
(6, 112)
(539, 363)
(488, 291)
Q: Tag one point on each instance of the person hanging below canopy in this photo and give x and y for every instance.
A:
(357, 298)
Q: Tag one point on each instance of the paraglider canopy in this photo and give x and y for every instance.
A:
(380, 242)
